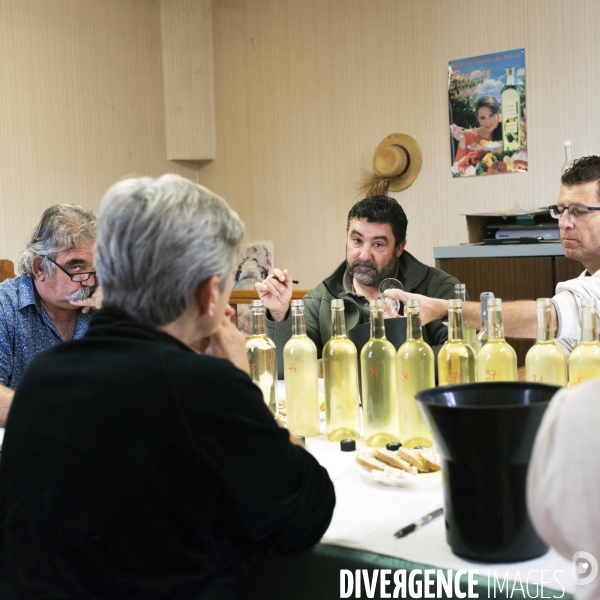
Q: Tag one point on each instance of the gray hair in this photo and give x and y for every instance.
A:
(158, 240)
(61, 227)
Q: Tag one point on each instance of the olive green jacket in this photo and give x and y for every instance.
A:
(414, 275)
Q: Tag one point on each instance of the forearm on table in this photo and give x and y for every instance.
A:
(6, 397)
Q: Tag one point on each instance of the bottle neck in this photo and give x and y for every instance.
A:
(258, 323)
(568, 154)
(455, 325)
(495, 326)
(338, 323)
(544, 321)
(460, 295)
(377, 327)
(413, 325)
(589, 326)
(298, 325)
(484, 318)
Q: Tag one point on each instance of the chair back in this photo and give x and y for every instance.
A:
(7, 269)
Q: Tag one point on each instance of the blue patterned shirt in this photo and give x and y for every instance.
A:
(25, 328)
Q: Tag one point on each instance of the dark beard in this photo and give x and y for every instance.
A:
(372, 276)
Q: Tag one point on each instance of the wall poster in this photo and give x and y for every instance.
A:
(486, 100)
(256, 263)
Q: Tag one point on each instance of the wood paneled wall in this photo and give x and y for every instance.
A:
(81, 105)
(306, 90)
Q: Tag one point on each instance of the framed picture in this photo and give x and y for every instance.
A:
(256, 263)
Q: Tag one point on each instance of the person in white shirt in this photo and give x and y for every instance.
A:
(563, 489)
(578, 214)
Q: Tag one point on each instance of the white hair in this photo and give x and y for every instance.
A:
(158, 240)
(61, 227)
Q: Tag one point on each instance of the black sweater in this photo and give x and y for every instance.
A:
(133, 468)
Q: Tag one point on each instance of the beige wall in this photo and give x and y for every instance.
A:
(306, 90)
(81, 105)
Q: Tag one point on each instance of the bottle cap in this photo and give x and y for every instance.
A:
(568, 143)
(347, 445)
(393, 446)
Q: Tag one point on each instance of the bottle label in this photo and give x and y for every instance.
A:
(510, 109)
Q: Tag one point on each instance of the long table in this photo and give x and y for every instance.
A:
(361, 536)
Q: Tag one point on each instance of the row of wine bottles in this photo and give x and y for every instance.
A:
(545, 361)
(391, 379)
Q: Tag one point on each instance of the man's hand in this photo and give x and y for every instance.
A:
(94, 302)
(229, 342)
(6, 397)
(276, 293)
(431, 308)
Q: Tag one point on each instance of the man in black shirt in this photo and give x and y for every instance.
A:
(134, 467)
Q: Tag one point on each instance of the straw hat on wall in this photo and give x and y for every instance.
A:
(396, 163)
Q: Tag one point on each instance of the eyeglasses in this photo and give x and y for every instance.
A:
(77, 277)
(576, 211)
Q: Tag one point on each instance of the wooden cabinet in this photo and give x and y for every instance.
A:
(512, 278)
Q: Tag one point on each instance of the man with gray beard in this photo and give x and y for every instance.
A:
(50, 299)
(375, 250)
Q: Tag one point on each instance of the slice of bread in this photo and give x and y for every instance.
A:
(428, 456)
(412, 457)
(369, 462)
(392, 459)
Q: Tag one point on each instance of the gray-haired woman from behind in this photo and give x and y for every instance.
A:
(159, 472)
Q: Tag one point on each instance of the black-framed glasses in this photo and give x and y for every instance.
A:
(77, 277)
(576, 211)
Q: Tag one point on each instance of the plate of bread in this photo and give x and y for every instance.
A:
(405, 467)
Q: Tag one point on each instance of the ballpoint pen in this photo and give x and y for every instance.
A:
(277, 279)
(419, 523)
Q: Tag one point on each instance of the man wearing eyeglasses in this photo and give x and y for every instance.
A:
(578, 214)
(50, 299)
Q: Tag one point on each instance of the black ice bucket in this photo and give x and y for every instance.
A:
(485, 434)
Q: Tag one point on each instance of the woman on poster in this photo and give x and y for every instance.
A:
(489, 130)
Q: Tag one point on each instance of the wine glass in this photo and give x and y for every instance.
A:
(390, 306)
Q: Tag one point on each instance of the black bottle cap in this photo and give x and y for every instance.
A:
(347, 445)
(393, 446)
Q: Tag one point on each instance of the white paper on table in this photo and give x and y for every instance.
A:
(358, 513)
(336, 463)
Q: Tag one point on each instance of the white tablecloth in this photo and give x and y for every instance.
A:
(368, 514)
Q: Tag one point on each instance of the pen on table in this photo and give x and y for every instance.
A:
(277, 279)
(418, 523)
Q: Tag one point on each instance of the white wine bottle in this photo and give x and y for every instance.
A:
(545, 361)
(584, 361)
(568, 157)
(262, 357)
(511, 112)
(301, 377)
(497, 360)
(340, 374)
(416, 371)
(469, 333)
(456, 359)
(482, 336)
(381, 413)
